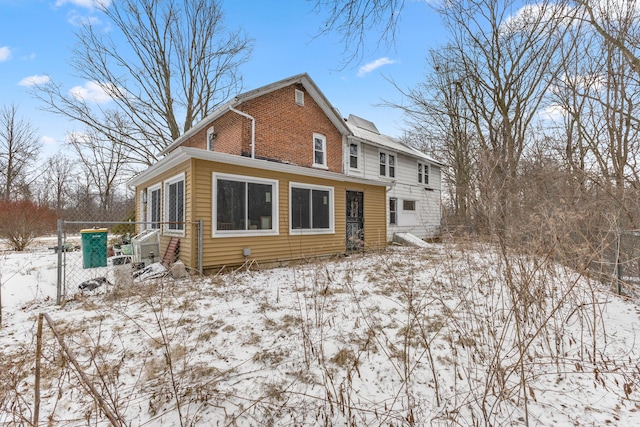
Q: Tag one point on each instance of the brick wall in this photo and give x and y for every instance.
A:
(284, 130)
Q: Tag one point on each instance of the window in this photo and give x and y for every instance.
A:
(154, 205)
(211, 136)
(393, 211)
(423, 173)
(174, 204)
(409, 205)
(311, 208)
(387, 165)
(353, 156)
(319, 150)
(244, 204)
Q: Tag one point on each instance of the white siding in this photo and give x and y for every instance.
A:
(424, 222)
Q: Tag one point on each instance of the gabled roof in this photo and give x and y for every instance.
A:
(367, 132)
(303, 79)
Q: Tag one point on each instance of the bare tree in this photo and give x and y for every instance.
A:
(177, 65)
(438, 117)
(103, 163)
(604, 17)
(57, 181)
(19, 149)
(354, 19)
(506, 62)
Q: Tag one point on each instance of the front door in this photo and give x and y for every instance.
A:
(355, 220)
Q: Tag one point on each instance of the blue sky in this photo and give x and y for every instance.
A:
(36, 37)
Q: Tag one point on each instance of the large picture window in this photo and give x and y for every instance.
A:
(311, 208)
(244, 205)
(174, 204)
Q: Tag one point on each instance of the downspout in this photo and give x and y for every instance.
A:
(253, 129)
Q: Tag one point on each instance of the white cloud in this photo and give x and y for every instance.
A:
(78, 20)
(89, 4)
(76, 137)
(48, 140)
(5, 53)
(553, 113)
(92, 92)
(34, 80)
(367, 68)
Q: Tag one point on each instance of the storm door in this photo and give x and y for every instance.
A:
(355, 220)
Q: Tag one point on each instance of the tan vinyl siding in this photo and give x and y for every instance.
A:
(375, 223)
(186, 247)
(220, 251)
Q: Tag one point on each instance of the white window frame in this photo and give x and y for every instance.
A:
(387, 165)
(393, 219)
(150, 191)
(167, 183)
(423, 173)
(322, 138)
(211, 136)
(299, 231)
(359, 156)
(274, 231)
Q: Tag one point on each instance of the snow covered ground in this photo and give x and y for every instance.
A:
(434, 335)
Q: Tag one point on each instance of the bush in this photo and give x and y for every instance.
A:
(22, 221)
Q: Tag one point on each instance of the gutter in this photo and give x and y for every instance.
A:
(253, 129)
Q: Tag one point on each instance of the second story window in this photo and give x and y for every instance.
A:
(319, 150)
(423, 173)
(353, 156)
(387, 165)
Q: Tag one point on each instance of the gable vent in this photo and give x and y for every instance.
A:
(299, 97)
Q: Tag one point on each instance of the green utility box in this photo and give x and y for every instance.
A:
(94, 247)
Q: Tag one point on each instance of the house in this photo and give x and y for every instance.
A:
(413, 179)
(268, 177)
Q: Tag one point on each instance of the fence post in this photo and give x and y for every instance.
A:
(59, 289)
(36, 403)
(618, 264)
(200, 227)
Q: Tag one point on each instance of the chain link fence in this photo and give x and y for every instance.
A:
(93, 254)
(627, 263)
